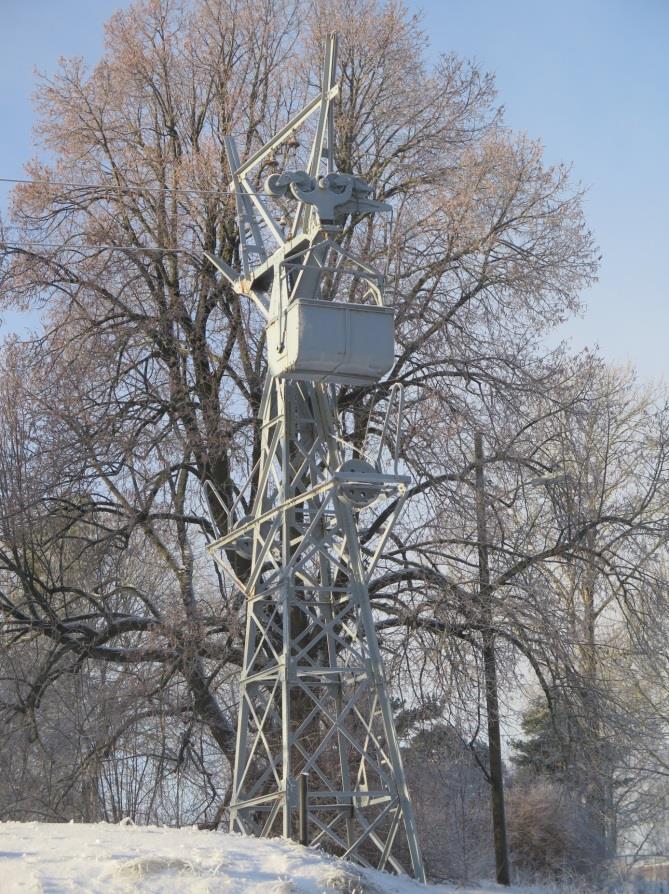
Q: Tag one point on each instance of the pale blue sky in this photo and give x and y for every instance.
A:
(589, 78)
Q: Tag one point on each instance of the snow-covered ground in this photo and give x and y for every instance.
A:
(49, 858)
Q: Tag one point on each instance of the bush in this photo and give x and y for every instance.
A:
(550, 832)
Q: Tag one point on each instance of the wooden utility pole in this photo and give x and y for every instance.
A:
(490, 675)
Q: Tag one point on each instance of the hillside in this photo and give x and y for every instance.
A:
(48, 858)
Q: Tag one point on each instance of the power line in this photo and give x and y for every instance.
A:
(116, 188)
(25, 246)
(139, 189)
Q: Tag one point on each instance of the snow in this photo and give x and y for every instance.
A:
(101, 858)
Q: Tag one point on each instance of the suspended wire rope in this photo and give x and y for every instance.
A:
(159, 189)
(111, 187)
(26, 246)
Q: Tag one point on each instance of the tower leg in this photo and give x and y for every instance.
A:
(313, 693)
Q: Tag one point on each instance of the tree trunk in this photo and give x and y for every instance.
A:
(490, 675)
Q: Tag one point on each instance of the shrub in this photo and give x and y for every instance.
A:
(550, 832)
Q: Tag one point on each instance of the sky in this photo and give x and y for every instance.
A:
(589, 78)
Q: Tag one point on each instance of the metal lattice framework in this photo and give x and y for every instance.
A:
(313, 697)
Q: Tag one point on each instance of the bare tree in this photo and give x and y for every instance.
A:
(576, 517)
(146, 377)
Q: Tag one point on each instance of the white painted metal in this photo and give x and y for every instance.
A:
(313, 698)
(331, 341)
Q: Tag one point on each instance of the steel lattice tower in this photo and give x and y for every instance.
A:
(313, 697)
